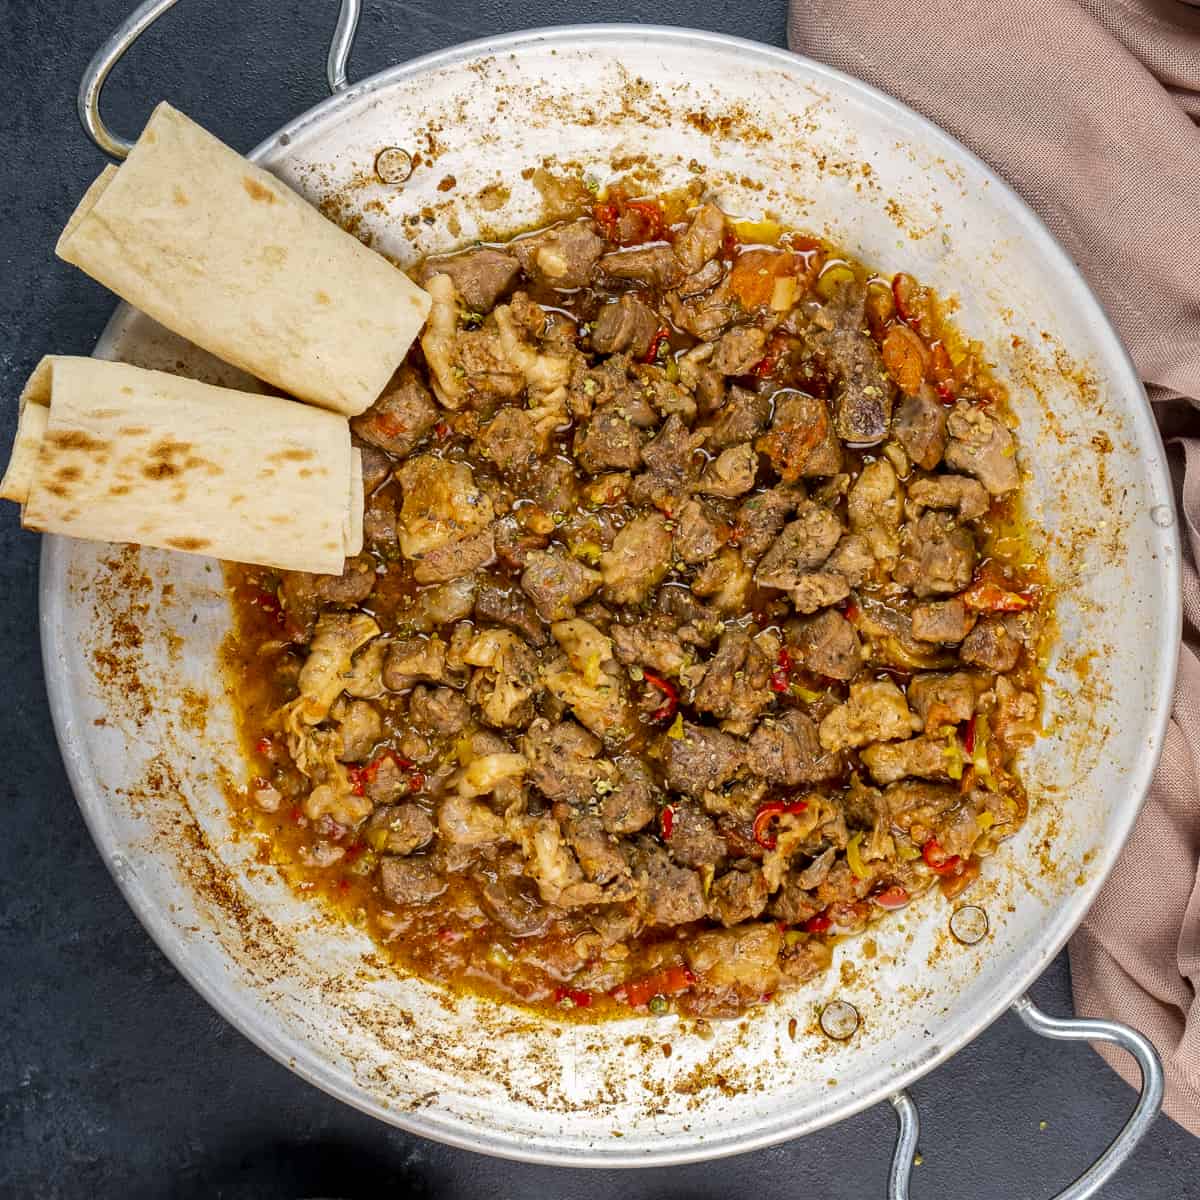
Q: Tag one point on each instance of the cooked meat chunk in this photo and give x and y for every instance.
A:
(626, 325)
(794, 902)
(739, 350)
(744, 960)
(938, 556)
(943, 621)
(512, 608)
(804, 545)
(875, 712)
(441, 504)
(852, 559)
(597, 852)
(509, 440)
(453, 560)
(864, 401)
(672, 895)
(828, 645)
(406, 881)
(401, 417)
(414, 660)
(598, 701)
(398, 829)
(554, 486)
(439, 710)
(736, 683)
(726, 581)
(876, 506)
(608, 442)
(562, 256)
(633, 802)
(564, 762)
(379, 525)
(304, 595)
(740, 419)
(731, 473)
(924, 757)
(656, 266)
(787, 751)
(360, 726)
(801, 441)
(647, 644)
(556, 584)
(481, 275)
(738, 896)
(701, 760)
(920, 427)
(818, 590)
(966, 496)
(387, 781)
(994, 644)
(942, 699)
(702, 239)
(639, 559)
(760, 519)
(698, 533)
(670, 455)
(376, 465)
(694, 840)
(506, 682)
(979, 445)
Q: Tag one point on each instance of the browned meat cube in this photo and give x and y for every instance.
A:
(410, 881)
(828, 644)
(304, 595)
(509, 440)
(671, 895)
(739, 350)
(738, 896)
(608, 442)
(626, 325)
(398, 829)
(742, 417)
(944, 621)
(701, 241)
(556, 584)
(802, 441)
(702, 759)
(920, 427)
(994, 644)
(481, 275)
(562, 256)
(938, 556)
(786, 750)
(401, 417)
(694, 839)
(804, 545)
(981, 446)
(655, 265)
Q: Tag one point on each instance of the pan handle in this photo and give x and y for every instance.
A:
(138, 21)
(1069, 1030)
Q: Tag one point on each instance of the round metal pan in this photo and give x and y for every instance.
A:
(131, 637)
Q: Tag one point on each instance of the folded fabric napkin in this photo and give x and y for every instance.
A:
(1088, 108)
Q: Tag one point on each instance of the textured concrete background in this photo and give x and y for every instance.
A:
(115, 1078)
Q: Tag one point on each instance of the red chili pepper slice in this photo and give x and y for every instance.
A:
(416, 781)
(361, 776)
(668, 708)
(577, 996)
(442, 429)
(606, 215)
(969, 738)
(661, 334)
(781, 676)
(767, 814)
(892, 898)
(265, 747)
(667, 818)
(268, 602)
(818, 924)
(671, 981)
(652, 214)
(765, 366)
(986, 596)
(938, 861)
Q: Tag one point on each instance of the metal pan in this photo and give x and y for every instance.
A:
(131, 637)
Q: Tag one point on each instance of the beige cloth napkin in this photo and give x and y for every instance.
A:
(1087, 107)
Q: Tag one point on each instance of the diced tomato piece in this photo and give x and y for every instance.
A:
(986, 596)
(671, 981)
(938, 861)
(577, 996)
(892, 898)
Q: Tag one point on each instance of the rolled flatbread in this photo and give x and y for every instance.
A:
(221, 252)
(121, 454)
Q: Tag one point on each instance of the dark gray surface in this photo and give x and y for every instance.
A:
(116, 1079)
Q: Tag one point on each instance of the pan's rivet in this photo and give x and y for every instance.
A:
(1163, 516)
(969, 924)
(839, 1020)
(393, 165)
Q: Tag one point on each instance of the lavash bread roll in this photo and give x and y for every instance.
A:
(117, 453)
(221, 252)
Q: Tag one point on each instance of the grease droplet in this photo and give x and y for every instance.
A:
(969, 924)
(1163, 516)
